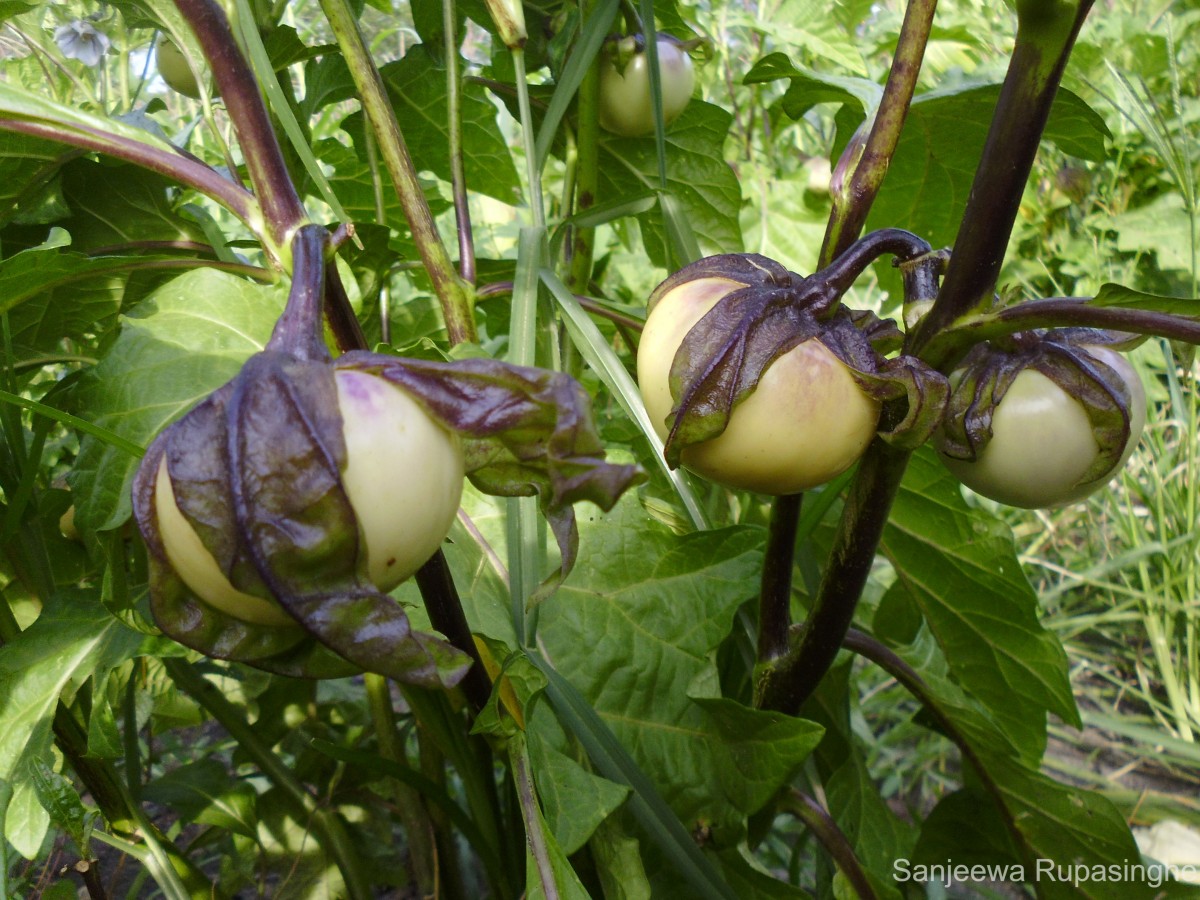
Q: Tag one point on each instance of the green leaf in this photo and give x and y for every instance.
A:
(960, 566)
(662, 604)
(809, 25)
(27, 167)
(698, 178)
(183, 342)
(807, 88)
(1128, 298)
(1053, 824)
(120, 203)
(205, 793)
(757, 751)
(58, 797)
(74, 637)
(931, 173)
(417, 87)
(575, 801)
(1161, 228)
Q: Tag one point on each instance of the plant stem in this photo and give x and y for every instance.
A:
(833, 839)
(535, 835)
(1046, 32)
(444, 606)
(418, 828)
(458, 177)
(1061, 312)
(846, 221)
(110, 794)
(239, 91)
(788, 681)
(775, 594)
(177, 166)
(851, 206)
(533, 176)
(452, 293)
(326, 823)
(587, 170)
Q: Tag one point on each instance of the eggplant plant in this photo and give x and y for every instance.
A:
(412, 485)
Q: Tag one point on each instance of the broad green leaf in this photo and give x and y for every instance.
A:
(960, 567)
(548, 874)
(698, 178)
(619, 863)
(808, 25)
(417, 88)
(852, 798)
(749, 881)
(203, 792)
(59, 798)
(1054, 825)
(930, 175)
(352, 180)
(185, 340)
(757, 751)
(118, 204)
(74, 637)
(633, 629)
(781, 225)
(864, 816)
(39, 270)
(27, 166)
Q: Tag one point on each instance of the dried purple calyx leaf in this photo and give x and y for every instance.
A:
(280, 511)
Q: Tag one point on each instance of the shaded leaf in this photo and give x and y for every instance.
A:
(205, 793)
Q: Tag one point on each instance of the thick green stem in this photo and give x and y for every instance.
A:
(326, 824)
(281, 205)
(452, 293)
(418, 828)
(788, 681)
(851, 206)
(1046, 32)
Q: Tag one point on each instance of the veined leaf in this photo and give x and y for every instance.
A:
(183, 342)
(960, 567)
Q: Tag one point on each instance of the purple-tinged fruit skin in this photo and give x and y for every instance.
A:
(806, 422)
(403, 476)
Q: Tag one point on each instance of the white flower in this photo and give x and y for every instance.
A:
(82, 41)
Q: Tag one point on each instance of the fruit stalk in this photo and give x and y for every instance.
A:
(846, 221)
(1068, 312)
